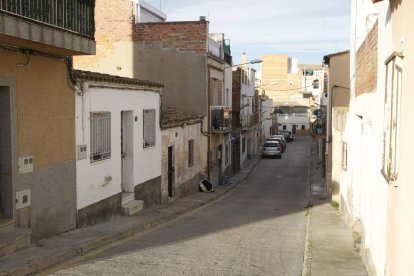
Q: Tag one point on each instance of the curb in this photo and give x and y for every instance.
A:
(307, 256)
(49, 262)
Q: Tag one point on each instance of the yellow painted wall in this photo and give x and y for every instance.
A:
(275, 69)
(45, 107)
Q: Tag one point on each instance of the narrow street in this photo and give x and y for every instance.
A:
(258, 229)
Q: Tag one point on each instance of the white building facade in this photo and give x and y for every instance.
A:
(118, 142)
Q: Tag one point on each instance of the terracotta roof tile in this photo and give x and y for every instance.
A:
(172, 118)
(99, 77)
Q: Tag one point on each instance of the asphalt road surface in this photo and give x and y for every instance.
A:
(258, 229)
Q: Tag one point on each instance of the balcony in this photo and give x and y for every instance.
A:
(58, 27)
(221, 119)
(249, 121)
(215, 48)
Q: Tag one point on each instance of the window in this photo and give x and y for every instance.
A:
(100, 131)
(190, 152)
(394, 71)
(284, 127)
(344, 156)
(303, 127)
(149, 128)
(226, 160)
(243, 145)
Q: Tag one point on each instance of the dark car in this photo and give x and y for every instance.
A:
(287, 134)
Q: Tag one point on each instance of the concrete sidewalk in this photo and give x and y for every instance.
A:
(49, 252)
(329, 246)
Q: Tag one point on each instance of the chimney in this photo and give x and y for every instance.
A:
(202, 18)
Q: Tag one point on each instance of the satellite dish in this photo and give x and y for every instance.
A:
(313, 118)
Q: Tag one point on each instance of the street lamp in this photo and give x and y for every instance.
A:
(253, 61)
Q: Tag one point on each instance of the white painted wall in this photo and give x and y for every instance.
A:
(179, 137)
(293, 119)
(266, 119)
(90, 177)
(365, 192)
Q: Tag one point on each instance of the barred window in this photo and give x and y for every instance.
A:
(190, 152)
(149, 127)
(394, 72)
(100, 128)
(226, 160)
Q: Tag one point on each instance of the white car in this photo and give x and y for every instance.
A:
(272, 149)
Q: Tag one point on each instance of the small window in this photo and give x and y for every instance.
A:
(149, 128)
(100, 131)
(243, 145)
(344, 156)
(226, 160)
(284, 127)
(190, 152)
(303, 127)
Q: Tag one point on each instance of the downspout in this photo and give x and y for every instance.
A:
(208, 121)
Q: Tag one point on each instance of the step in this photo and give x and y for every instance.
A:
(14, 240)
(127, 197)
(132, 207)
(6, 224)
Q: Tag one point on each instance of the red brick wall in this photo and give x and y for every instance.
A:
(183, 36)
(113, 22)
(367, 63)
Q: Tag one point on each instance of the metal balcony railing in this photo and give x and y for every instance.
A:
(76, 16)
(221, 119)
(293, 115)
(250, 120)
(215, 48)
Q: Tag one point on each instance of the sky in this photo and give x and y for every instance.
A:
(304, 29)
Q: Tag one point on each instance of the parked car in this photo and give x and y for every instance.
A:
(280, 141)
(281, 137)
(287, 134)
(271, 149)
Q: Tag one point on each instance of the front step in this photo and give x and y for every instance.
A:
(13, 240)
(132, 207)
(6, 225)
(127, 197)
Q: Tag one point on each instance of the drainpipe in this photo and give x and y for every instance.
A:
(208, 121)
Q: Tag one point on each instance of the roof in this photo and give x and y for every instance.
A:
(99, 77)
(327, 58)
(310, 66)
(171, 117)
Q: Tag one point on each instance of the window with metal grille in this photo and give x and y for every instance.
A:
(149, 127)
(100, 124)
(394, 73)
(190, 152)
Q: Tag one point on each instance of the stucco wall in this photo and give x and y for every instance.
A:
(185, 86)
(179, 137)
(366, 188)
(44, 104)
(400, 204)
(91, 184)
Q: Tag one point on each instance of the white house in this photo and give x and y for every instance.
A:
(118, 141)
(378, 191)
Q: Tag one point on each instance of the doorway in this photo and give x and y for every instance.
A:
(171, 172)
(6, 156)
(127, 151)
